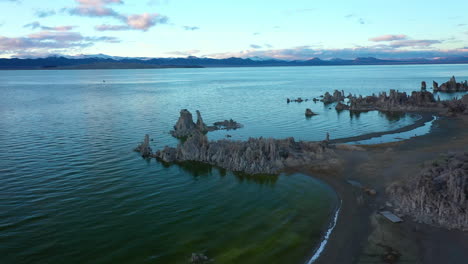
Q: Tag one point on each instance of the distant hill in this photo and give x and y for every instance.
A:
(102, 61)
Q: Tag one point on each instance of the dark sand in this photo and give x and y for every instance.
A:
(360, 235)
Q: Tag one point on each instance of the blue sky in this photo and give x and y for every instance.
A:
(295, 29)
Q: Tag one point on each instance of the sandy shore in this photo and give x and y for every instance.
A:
(362, 236)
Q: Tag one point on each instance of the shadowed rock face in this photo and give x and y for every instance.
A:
(438, 195)
(254, 156)
(451, 86)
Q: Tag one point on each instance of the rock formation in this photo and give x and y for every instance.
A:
(254, 156)
(309, 112)
(298, 100)
(438, 195)
(144, 148)
(227, 125)
(336, 97)
(451, 86)
(186, 127)
(340, 106)
(395, 101)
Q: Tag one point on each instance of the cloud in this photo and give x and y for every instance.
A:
(141, 22)
(100, 8)
(461, 25)
(388, 37)
(378, 51)
(189, 28)
(145, 21)
(95, 8)
(45, 13)
(414, 43)
(49, 42)
(254, 46)
(106, 27)
(35, 25)
(184, 53)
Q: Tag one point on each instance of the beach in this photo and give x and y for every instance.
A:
(361, 235)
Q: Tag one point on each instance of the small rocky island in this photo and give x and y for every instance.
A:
(451, 86)
(186, 127)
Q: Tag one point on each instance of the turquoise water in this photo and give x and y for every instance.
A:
(72, 190)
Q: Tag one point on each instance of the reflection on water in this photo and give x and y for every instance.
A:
(198, 169)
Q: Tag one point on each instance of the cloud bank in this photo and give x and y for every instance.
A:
(101, 8)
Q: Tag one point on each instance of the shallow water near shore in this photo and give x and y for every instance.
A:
(72, 190)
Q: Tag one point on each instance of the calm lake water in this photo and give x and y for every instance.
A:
(72, 190)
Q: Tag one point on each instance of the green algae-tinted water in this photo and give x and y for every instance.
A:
(72, 190)
(162, 215)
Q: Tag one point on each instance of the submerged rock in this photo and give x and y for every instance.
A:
(298, 100)
(227, 125)
(309, 112)
(199, 258)
(254, 156)
(144, 148)
(438, 195)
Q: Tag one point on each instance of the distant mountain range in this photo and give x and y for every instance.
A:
(102, 61)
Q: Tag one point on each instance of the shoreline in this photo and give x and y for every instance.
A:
(378, 166)
(425, 117)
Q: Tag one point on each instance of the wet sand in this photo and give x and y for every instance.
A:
(362, 236)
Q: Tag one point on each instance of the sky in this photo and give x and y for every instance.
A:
(289, 30)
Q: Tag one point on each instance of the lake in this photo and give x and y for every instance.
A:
(73, 191)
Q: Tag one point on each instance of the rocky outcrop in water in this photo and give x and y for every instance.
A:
(227, 125)
(395, 101)
(438, 195)
(309, 112)
(254, 156)
(144, 148)
(336, 97)
(186, 127)
(451, 86)
(298, 100)
(340, 106)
